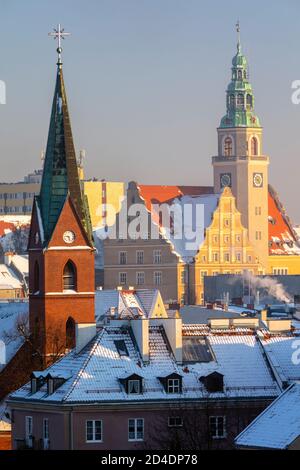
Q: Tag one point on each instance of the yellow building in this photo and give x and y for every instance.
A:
(104, 199)
(226, 248)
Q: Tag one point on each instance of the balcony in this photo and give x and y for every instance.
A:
(259, 158)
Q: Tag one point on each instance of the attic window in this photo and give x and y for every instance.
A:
(213, 382)
(172, 383)
(133, 384)
(121, 348)
(173, 386)
(134, 387)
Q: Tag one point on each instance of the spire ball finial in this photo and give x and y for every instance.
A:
(59, 34)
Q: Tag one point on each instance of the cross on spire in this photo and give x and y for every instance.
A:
(59, 34)
(238, 30)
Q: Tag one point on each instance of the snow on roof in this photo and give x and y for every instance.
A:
(282, 354)
(283, 240)
(97, 369)
(278, 426)
(21, 263)
(5, 423)
(9, 313)
(8, 279)
(137, 302)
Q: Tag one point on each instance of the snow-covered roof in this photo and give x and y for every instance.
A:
(9, 314)
(5, 423)
(125, 303)
(283, 354)
(278, 426)
(8, 279)
(96, 370)
(21, 263)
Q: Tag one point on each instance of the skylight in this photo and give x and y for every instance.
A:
(121, 347)
(196, 350)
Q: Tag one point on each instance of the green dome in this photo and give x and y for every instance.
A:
(239, 60)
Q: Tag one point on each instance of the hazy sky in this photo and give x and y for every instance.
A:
(146, 84)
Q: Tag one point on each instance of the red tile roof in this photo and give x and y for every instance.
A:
(155, 194)
(282, 238)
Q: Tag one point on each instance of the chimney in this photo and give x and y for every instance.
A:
(264, 315)
(173, 330)
(140, 328)
(8, 257)
(84, 333)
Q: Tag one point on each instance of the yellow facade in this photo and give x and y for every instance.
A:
(104, 199)
(284, 264)
(226, 248)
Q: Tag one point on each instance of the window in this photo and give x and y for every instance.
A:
(280, 271)
(134, 386)
(238, 257)
(240, 100)
(258, 210)
(258, 235)
(216, 257)
(183, 276)
(45, 428)
(139, 257)
(215, 238)
(226, 239)
(173, 386)
(202, 275)
(238, 238)
(140, 278)
(122, 257)
(36, 277)
(121, 347)
(217, 427)
(215, 273)
(175, 421)
(240, 75)
(157, 278)
(136, 429)
(28, 430)
(254, 146)
(231, 101)
(249, 101)
(94, 431)
(227, 257)
(69, 276)
(157, 256)
(122, 279)
(228, 147)
(226, 222)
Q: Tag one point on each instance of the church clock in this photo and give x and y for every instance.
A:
(258, 180)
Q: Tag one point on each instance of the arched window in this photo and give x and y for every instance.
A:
(231, 101)
(240, 75)
(36, 277)
(69, 277)
(254, 146)
(249, 100)
(70, 333)
(240, 100)
(228, 147)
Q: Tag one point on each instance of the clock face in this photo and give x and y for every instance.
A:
(69, 236)
(225, 180)
(258, 180)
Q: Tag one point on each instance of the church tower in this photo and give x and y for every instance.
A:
(61, 251)
(240, 163)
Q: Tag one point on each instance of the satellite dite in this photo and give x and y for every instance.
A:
(2, 92)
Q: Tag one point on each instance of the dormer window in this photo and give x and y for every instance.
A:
(37, 380)
(134, 387)
(33, 385)
(172, 383)
(133, 384)
(54, 382)
(213, 382)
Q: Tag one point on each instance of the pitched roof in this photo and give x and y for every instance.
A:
(278, 426)
(96, 370)
(282, 238)
(60, 173)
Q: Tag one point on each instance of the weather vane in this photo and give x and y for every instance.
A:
(59, 34)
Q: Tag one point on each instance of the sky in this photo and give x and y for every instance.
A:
(146, 83)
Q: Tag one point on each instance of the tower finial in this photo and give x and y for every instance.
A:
(238, 30)
(59, 34)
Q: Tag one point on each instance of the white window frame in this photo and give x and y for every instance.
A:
(176, 424)
(121, 282)
(89, 441)
(138, 275)
(29, 431)
(135, 438)
(156, 256)
(135, 381)
(138, 254)
(46, 428)
(122, 253)
(218, 435)
(157, 275)
(173, 386)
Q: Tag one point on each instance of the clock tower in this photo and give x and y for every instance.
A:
(240, 163)
(61, 251)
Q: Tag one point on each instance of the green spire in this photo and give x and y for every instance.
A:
(60, 174)
(239, 94)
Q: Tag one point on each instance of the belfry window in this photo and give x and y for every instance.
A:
(231, 101)
(240, 100)
(228, 147)
(36, 278)
(254, 146)
(240, 75)
(249, 101)
(69, 276)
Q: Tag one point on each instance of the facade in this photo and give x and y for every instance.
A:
(17, 198)
(193, 383)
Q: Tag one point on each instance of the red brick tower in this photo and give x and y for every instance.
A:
(61, 251)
